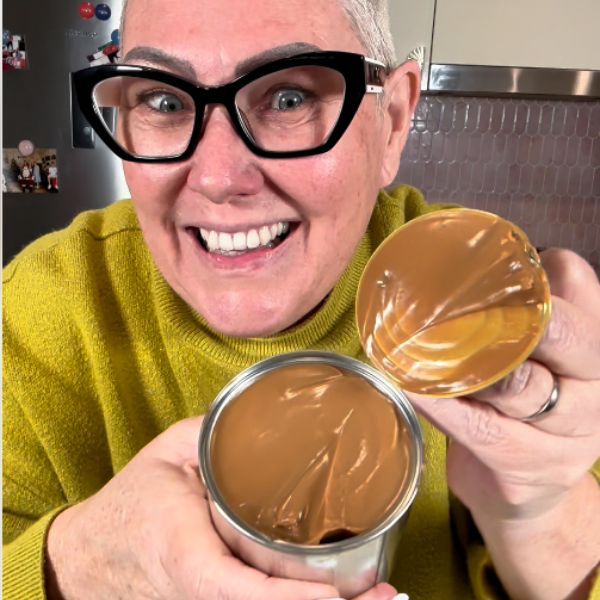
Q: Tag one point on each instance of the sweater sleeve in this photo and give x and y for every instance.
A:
(44, 384)
(23, 562)
(32, 497)
(485, 582)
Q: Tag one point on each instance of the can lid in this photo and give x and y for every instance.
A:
(451, 302)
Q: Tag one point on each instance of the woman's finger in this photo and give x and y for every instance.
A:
(521, 393)
(497, 440)
(573, 279)
(571, 344)
(231, 578)
(507, 445)
(382, 591)
(178, 444)
(525, 391)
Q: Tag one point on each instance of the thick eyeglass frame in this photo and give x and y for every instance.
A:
(362, 76)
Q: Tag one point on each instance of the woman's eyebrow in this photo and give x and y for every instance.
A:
(267, 56)
(162, 59)
(185, 68)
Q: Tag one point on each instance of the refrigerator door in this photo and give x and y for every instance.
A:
(37, 107)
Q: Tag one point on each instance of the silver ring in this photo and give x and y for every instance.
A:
(550, 403)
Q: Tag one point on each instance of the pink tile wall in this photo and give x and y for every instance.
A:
(535, 162)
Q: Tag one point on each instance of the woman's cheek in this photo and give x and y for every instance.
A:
(313, 183)
(154, 186)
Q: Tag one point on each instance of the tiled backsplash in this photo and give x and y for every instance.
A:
(535, 162)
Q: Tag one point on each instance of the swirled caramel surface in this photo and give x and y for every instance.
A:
(311, 454)
(452, 301)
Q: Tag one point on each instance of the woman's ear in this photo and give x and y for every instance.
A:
(402, 88)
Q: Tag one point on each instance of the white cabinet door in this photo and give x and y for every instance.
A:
(554, 34)
(412, 26)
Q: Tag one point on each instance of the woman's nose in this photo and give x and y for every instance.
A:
(222, 167)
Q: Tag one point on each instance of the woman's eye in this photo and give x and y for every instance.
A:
(165, 103)
(287, 99)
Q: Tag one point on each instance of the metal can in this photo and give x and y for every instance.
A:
(352, 565)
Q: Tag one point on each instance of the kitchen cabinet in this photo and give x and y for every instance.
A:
(412, 26)
(518, 33)
(530, 47)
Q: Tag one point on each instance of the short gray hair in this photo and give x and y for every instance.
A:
(370, 20)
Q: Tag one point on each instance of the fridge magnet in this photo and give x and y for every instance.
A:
(86, 11)
(98, 58)
(115, 37)
(14, 54)
(35, 173)
(106, 54)
(103, 12)
(110, 50)
(25, 147)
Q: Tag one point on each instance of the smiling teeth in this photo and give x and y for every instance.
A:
(243, 240)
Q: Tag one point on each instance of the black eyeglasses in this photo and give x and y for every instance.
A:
(292, 107)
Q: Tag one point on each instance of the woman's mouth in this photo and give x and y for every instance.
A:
(224, 243)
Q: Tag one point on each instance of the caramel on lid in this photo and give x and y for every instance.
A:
(452, 302)
(311, 453)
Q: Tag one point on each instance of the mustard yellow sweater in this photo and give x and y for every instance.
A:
(100, 356)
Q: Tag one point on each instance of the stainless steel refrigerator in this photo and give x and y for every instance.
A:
(54, 166)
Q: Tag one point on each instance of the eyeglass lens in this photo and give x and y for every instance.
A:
(289, 110)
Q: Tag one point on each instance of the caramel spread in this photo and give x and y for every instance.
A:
(452, 302)
(311, 454)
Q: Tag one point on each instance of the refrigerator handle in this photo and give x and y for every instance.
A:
(82, 134)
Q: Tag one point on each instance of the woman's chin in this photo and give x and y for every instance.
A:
(249, 324)
(245, 330)
(254, 315)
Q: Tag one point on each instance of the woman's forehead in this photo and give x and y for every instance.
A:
(217, 40)
(237, 27)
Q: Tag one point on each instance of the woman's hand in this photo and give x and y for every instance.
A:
(527, 484)
(148, 534)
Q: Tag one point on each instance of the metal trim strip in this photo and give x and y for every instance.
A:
(521, 81)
